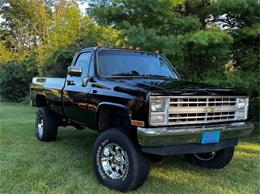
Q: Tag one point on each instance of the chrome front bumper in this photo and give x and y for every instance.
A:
(170, 136)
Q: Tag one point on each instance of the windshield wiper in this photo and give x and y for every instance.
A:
(132, 73)
(156, 76)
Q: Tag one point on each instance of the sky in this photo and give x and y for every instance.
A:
(82, 7)
(1, 19)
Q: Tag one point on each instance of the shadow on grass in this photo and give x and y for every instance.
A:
(73, 149)
(65, 166)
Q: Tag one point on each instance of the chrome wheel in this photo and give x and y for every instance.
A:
(205, 156)
(114, 161)
(40, 126)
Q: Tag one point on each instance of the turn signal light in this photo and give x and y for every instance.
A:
(100, 45)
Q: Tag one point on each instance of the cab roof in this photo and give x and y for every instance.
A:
(115, 48)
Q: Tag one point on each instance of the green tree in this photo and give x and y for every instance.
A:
(241, 21)
(5, 54)
(179, 28)
(90, 34)
(40, 38)
(25, 23)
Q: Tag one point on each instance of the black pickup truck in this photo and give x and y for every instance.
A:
(143, 110)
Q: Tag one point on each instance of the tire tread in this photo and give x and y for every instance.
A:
(140, 167)
(222, 158)
(50, 124)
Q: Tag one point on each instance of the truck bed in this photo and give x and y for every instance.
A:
(50, 89)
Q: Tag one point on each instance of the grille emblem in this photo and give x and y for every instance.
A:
(210, 109)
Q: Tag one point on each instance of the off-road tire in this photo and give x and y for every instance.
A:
(138, 162)
(219, 161)
(49, 127)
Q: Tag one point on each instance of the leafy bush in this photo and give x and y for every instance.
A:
(243, 81)
(58, 62)
(254, 116)
(15, 79)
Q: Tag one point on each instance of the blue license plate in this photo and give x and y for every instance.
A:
(210, 137)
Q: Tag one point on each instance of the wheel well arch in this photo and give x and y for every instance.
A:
(111, 115)
(40, 100)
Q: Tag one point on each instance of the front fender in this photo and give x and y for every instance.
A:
(121, 106)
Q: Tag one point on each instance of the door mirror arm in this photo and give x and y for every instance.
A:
(85, 80)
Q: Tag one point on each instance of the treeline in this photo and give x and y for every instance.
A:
(40, 38)
(213, 41)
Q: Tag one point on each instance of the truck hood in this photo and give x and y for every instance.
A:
(174, 87)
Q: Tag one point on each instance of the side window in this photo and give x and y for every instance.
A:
(83, 62)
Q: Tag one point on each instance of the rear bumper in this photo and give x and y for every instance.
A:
(165, 138)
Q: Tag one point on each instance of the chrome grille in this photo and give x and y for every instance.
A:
(213, 101)
(206, 109)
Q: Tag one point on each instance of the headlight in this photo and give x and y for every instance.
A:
(158, 104)
(158, 110)
(241, 103)
(241, 115)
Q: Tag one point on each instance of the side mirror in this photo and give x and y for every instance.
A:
(74, 71)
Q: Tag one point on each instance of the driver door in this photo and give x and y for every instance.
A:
(76, 90)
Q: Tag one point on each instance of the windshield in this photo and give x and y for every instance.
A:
(118, 63)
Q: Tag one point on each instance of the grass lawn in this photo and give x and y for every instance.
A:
(65, 166)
